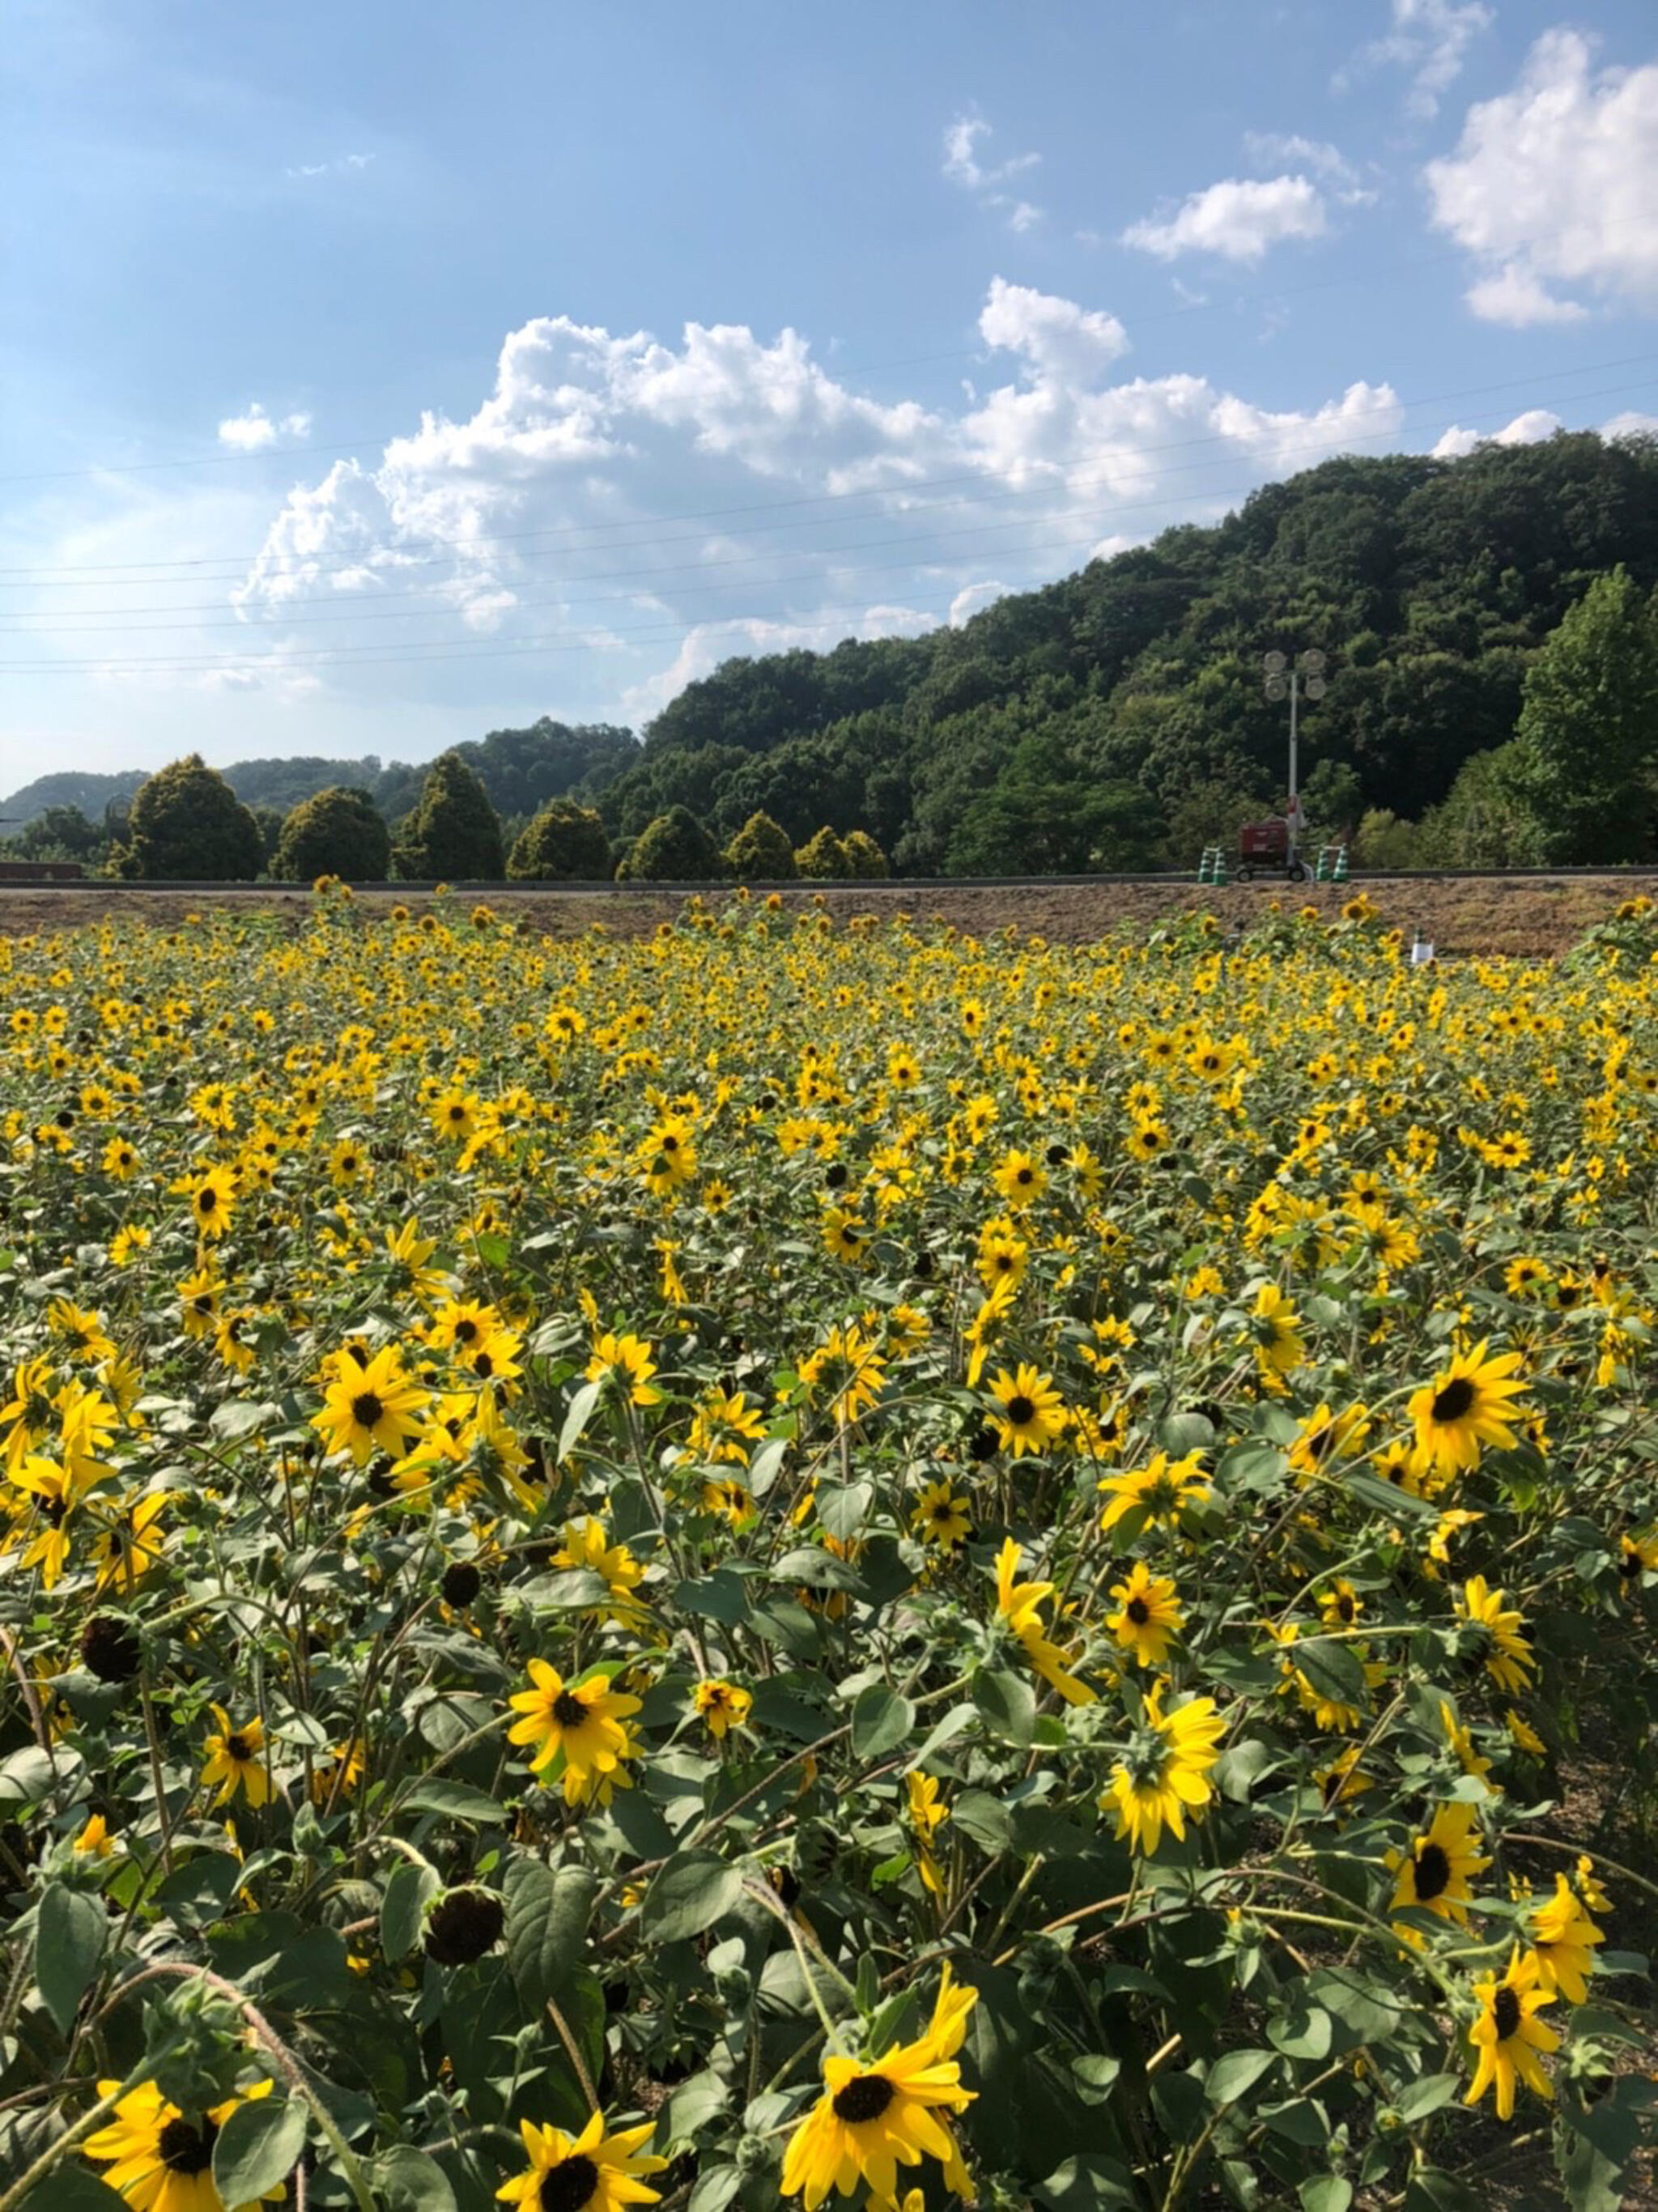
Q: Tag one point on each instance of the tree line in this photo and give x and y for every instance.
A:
(1492, 700)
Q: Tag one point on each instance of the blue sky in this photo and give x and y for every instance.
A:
(376, 375)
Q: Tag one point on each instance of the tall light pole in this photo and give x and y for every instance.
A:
(1284, 682)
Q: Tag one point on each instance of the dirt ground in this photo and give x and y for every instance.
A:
(1526, 916)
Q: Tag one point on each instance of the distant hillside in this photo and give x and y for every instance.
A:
(1120, 713)
(521, 770)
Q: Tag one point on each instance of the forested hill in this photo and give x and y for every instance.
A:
(521, 769)
(1121, 709)
(1118, 716)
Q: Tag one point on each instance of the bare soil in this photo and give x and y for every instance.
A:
(1529, 917)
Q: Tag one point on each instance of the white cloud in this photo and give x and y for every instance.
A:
(345, 166)
(1430, 39)
(963, 166)
(1055, 336)
(1530, 429)
(1276, 149)
(1631, 424)
(1239, 218)
(972, 599)
(1556, 184)
(250, 433)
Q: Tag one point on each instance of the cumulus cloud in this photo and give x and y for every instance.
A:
(1631, 424)
(1527, 429)
(658, 506)
(1429, 38)
(1239, 219)
(963, 166)
(1555, 184)
(972, 599)
(251, 433)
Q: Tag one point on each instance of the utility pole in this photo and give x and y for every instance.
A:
(1284, 682)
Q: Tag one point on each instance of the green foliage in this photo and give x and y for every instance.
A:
(1044, 815)
(186, 822)
(337, 833)
(564, 844)
(761, 851)
(674, 849)
(1589, 728)
(865, 859)
(1383, 840)
(453, 834)
(823, 858)
(1489, 820)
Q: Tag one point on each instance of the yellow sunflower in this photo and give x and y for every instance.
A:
(235, 1760)
(1434, 1873)
(1150, 1614)
(1033, 1411)
(161, 2161)
(1508, 1655)
(580, 1726)
(1563, 1939)
(722, 1706)
(1465, 1406)
(1159, 1492)
(873, 2118)
(940, 1516)
(1020, 1605)
(369, 1404)
(1508, 2035)
(593, 2172)
(1164, 1771)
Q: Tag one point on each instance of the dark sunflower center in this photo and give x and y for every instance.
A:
(568, 2186)
(484, 1365)
(1021, 1409)
(467, 1332)
(366, 1410)
(1505, 2011)
(1138, 1611)
(1630, 1564)
(1346, 1609)
(207, 1199)
(865, 2099)
(945, 1511)
(185, 2148)
(1319, 1444)
(1433, 1873)
(237, 1746)
(568, 1711)
(1451, 1403)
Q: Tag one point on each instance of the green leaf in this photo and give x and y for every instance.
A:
(547, 1913)
(843, 1508)
(1326, 2192)
(70, 1930)
(694, 1890)
(1089, 2183)
(1302, 2120)
(1095, 2075)
(257, 2147)
(1301, 2030)
(73, 2189)
(984, 1818)
(26, 1776)
(1008, 1703)
(454, 1801)
(817, 1569)
(1333, 1668)
(1235, 2074)
(236, 1418)
(881, 1720)
(715, 2188)
(406, 2180)
(582, 1407)
(409, 1890)
(1426, 2096)
(1384, 1497)
(957, 1718)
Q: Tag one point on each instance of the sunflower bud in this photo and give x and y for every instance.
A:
(463, 1924)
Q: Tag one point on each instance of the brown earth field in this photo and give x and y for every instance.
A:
(1528, 917)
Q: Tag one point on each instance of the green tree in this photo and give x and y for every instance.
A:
(1488, 820)
(761, 851)
(188, 824)
(564, 844)
(1384, 842)
(865, 857)
(335, 833)
(823, 858)
(674, 849)
(453, 835)
(1588, 734)
(1045, 816)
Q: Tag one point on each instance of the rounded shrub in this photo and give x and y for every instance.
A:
(564, 844)
(674, 849)
(453, 834)
(761, 851)
(337, 832)
(823, 859)
(186, 822)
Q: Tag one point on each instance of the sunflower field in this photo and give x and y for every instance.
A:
(777, 1564)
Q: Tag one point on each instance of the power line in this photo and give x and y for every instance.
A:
(66, 575)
